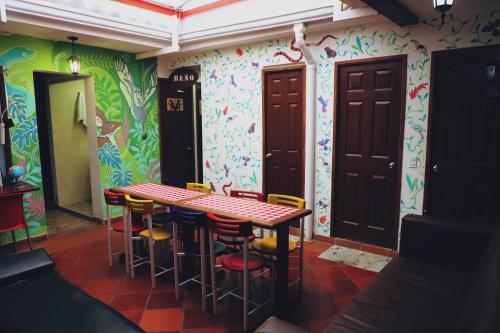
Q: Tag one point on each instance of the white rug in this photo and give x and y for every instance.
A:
(360, 259)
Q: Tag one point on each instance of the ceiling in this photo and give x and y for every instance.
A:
(184, 4)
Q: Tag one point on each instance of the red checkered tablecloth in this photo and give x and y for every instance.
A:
(159, 193)
(243, 208)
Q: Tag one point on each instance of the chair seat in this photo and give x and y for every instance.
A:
(269, 245)
(235, 240)
(194, 250)
(118, 227)
(235, 262)
(158, 234)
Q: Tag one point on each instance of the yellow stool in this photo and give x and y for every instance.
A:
(146, 208)
(199, 187)
(269, 245)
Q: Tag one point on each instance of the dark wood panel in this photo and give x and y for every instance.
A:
(463, 168)
(284, 131)
(369, 114)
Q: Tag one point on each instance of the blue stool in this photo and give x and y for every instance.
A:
(189, 222)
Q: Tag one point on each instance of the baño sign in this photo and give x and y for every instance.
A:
(183, 77)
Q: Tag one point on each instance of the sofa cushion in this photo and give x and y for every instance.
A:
(406, 296)
(50, 304)
(275, 325)
(24, 265)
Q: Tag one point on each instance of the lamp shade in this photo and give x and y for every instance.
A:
(74, 64)
(442, 5)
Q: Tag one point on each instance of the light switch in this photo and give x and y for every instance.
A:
(413, 162)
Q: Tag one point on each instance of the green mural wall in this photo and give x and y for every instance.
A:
(126, 114)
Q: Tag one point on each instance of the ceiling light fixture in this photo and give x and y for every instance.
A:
(74, 62)
(442, 6)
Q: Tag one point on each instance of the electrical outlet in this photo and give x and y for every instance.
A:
(413, 162)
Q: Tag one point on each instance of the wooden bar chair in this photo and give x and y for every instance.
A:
(199, 187)
(191, 220)
(118, 199)
(12, 217)
(245, 195)
(243, 262)
(152, 235)
(268, 245)
(163, 217)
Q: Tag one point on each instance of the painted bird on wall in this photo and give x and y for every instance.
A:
(417, 128)
(136, 97)
(330, 53)
(324, 103)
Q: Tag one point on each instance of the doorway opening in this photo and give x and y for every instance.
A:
(180, 131)
(68, 150)
(369, 122)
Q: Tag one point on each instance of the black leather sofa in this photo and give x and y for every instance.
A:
(445, 279)
(35, 298)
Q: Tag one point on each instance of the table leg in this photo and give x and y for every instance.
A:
(282, 268)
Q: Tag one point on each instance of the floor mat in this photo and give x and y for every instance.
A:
(356, 258)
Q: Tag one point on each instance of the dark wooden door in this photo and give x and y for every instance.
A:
(177, 132)
(463, 174)
(369, 114)
(284, 132)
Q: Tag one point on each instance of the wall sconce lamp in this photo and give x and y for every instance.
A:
(74, 62)
(442, 6)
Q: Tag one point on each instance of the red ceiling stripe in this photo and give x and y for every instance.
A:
(149, 6)
(207, 7)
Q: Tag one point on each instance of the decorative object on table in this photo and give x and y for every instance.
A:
(74, 62)
(442, 6)
(15, 172)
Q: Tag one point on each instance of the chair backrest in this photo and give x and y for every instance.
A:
(174, 182)
(11, 208)
(199, 187)
(139, 206)
(247, 195)
(287, 200)
(189, 217)
(229, 227)
(113, 198)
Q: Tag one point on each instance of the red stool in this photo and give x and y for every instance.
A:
(118, 199)
(243, 262)
(13, 218)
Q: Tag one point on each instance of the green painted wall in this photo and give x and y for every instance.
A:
(126, 109)
(69, 138)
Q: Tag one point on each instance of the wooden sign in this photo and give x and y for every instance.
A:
(183, 77)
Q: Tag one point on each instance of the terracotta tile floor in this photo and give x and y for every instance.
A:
(81, 257)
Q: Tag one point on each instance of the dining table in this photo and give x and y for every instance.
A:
(262, 214)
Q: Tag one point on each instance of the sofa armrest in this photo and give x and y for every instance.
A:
(24, 265)
(453, 244)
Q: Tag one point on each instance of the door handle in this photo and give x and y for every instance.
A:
(392, 165)
(435, 168)
(189, 148)
(268, 155)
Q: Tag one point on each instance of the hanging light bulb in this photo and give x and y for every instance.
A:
(74, 62)
(442, 6)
